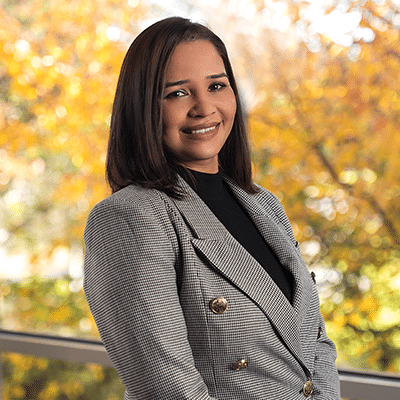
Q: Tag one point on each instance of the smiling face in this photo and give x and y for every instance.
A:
(199, 106)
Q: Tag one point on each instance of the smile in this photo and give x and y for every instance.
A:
(200, 131)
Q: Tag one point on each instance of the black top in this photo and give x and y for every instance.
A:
(218, 197)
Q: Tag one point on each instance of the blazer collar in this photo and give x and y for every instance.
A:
(223, 251)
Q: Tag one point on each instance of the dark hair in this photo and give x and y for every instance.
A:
(136, 154)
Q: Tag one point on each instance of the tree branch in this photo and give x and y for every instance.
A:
(370, 199)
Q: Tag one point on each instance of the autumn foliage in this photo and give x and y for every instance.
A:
(323, 121)
(325, 136)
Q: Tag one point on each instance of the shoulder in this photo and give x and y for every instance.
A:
(130, 203)
(269, 201)
(265, 195)
(130, 197)
(132, 194)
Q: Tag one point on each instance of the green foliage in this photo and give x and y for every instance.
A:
(56, 306)
(28, 377)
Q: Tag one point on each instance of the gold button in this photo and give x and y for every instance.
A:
(241, 364)
(219, 305)
(308, 388)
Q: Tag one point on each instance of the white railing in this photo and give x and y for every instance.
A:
(358, 384)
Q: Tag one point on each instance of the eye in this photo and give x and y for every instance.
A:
(216, 86)
(176, 94)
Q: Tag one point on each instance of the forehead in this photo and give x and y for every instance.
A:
(194, 59)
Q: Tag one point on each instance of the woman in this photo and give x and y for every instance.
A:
(192, 272)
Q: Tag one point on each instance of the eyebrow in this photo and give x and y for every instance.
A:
(183, 81)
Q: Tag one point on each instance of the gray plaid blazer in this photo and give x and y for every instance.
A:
(153, 265)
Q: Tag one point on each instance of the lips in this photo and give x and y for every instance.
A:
(199, 130)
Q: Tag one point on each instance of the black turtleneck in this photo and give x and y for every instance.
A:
(219, 198)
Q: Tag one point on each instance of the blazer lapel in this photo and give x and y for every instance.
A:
(274, 233)
(229, 257)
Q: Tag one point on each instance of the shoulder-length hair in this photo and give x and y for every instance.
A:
(136, 154)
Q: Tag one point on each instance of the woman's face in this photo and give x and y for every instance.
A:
(199, 106)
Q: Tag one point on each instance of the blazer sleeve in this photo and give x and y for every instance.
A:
(325, 374)
(326, 377)
(130, 285)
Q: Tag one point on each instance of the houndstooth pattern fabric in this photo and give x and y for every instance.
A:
(152, 266)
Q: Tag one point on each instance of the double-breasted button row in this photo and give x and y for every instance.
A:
(240, 364)
(308, 388)
(218, 305)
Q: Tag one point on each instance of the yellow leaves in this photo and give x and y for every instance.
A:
(328, 116)
(389, 100)
(374, 357)
(94, 67)
(386, 317)
(369, 306)
(63, 70)
(51, 391)
(29, 93)
(26, 363)
(82, 43)
(42, 363)
(57, 379)
(371, 70)
(74, 87)
(338, 322)
(354, 319)
(14, 68)
(262, 134)
(97, 371)
(340, 91)
(101, 38)
(14, 392)
(62, 314)
(314, 89)
(336, 49)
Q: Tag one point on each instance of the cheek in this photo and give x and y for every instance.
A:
(172, 117)
(234, 108)
(167, 119)
(170, 129)
(171, 142)
(230, 109)
(230, 104)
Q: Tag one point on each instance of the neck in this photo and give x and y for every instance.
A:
(206, 185)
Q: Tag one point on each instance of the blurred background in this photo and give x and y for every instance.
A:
(320, 83)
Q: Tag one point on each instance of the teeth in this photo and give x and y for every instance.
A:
(204, 130)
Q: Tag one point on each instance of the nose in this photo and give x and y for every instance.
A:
(202, 106)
